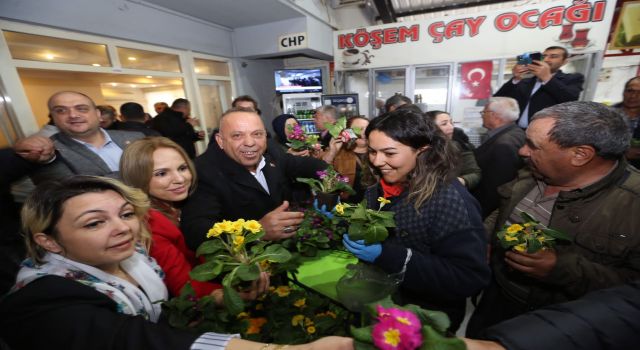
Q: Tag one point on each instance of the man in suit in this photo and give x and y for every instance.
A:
(176, 124)
(548, 86)
(82, 147)
(133, 119)
(242, 176)
(498, 156)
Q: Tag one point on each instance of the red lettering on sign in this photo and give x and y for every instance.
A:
(525, 19)
(551, 17)
(506, 21)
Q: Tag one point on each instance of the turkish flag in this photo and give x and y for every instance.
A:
(476, 80)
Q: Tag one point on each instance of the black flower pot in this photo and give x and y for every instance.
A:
(329, 200)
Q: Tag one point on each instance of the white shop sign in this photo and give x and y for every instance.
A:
(580, 26)
(292, 41)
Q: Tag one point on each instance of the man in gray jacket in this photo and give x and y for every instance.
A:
(82, 147)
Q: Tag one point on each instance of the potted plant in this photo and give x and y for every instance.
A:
(300, 140)
(529, 236)
(327, 187)
(229, 255)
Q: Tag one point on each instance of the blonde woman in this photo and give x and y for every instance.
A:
(88, 285)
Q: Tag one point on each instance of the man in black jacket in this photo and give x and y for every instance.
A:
(498, 157)
(240, 177)
(133, 115)
(602, 320)
(549, 85)
(172, 123)
(16, 163)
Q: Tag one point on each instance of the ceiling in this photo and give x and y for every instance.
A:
(232, 13)
(390, 11)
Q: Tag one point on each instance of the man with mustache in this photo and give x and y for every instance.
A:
(578, 182)
(245, 177)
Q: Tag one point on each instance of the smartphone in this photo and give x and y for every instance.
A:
(529, 57)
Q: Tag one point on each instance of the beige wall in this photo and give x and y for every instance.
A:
(39, 90)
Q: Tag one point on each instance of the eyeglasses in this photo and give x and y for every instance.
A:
(632, 91)
(63, 111)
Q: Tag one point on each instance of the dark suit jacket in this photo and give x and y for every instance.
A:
(73, 158)
(137, 126)
(561, 88)
(499, 161)
(227, 190)
(172, 124)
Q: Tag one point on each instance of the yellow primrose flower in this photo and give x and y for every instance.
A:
(540, 239)
(297, 320)
(340, 209)
(528, 224)
(238, 241)
(383, 201)
(308, 322)
(300, 302)
(510, 238)
(515, 228)
(225, 226)
(283, 291)
(253, 226)
(215, 231)
(520, 247)
(311, 329)
(238, 227)
(242, 315)
(331, 314)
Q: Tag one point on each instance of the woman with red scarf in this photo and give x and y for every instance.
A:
(439, 243)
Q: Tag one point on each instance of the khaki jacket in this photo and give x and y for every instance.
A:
(603, 220)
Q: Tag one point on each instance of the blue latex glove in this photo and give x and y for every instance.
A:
(322, 210)
(368, 253)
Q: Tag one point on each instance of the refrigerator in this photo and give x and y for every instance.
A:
(347, 104)
(303, 106)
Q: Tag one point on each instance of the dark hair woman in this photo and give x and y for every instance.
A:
(439, 244)
(467, 169)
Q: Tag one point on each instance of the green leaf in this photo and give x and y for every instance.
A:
(557, 234)
(432, 340)
(375, 234)
(207, 271)
(232, 301)
(315, 184)
(248, 272)
(253, 237)
(210, 247)
(274, 253)
(360, 212)
(336, 128)
(436, 319)
(362, 334)
(357, 231)
(528, 218)
(533, 245)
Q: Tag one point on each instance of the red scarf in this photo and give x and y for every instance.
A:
(393, 190)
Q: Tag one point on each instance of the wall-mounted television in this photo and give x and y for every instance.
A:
(298, 80)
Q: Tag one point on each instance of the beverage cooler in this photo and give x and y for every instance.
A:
(346, 104)
(303, 106)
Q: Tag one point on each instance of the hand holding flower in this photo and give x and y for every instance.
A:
(368, 253)
(538, 265)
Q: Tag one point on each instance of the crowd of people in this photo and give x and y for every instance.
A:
(121, 206)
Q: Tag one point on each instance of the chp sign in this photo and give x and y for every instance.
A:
(292, 41)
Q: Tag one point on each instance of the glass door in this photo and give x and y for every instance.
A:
(386, 83)
(431, 86)
(357, 82)
(216, 98)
